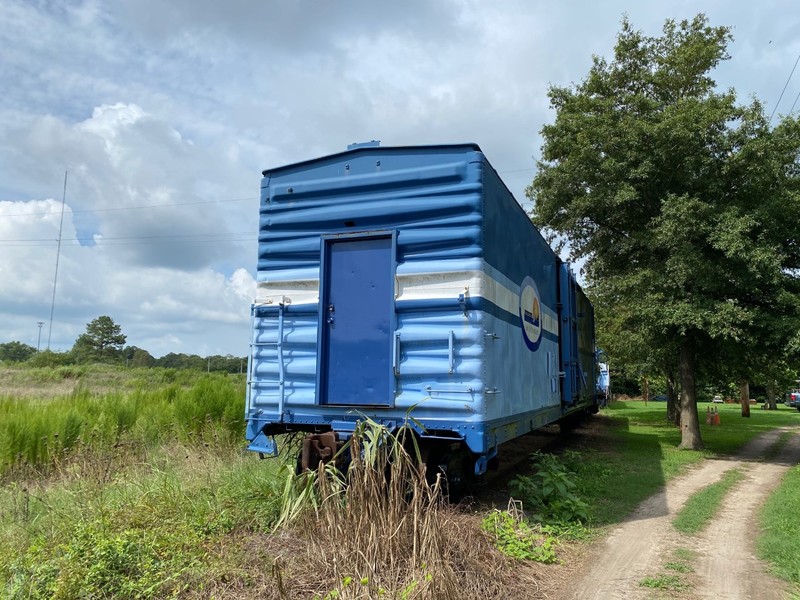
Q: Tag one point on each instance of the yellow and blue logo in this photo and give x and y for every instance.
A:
(530, 313)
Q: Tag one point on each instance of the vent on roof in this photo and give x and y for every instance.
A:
(370, 144)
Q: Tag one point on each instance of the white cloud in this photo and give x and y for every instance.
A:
(182, 104)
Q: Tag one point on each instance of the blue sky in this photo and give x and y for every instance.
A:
(166, 112)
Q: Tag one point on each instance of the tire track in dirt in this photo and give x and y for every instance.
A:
(728, 566)
(639, 546)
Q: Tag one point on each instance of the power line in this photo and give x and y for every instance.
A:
(210, 239)
(58, 255)
(143, 206)
(796, 98)
(516, 170)
(784, 89)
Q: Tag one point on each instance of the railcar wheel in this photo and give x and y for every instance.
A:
(456, 466)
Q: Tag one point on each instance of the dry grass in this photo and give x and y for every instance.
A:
(385, 533)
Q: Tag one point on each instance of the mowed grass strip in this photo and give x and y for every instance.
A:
(703, 505)
(779, 543)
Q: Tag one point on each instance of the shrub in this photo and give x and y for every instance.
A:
(516, 538)
(550, 492)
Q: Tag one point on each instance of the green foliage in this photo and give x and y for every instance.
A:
(682, 202)
(138, 357)
(550, 492)
(516, 538)
(684, 554)
(16, 352)
(103, 341)
(227, 363)
(50, 359)
(148, 534)
(702, 505)
(641, 454)
(678, 567)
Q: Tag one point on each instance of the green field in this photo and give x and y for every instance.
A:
(137, 493)
(135, 484)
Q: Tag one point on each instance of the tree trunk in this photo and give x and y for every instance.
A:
(673, 402)
(646, 390)
(690, 424)
(744, 397)
(772, 400)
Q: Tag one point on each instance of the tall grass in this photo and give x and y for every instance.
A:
(34, 435)
(381, 530)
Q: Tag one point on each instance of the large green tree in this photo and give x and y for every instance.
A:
(103, 341)
(16, 352)
(682, 202)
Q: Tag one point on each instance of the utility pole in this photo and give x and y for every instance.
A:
(58, 255)
(39, 341)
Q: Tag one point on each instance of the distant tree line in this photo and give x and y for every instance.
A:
(104, 342)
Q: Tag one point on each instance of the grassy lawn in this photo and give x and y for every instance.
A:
(642, 453)
(780, 523)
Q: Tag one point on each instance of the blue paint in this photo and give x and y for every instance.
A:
(466, 367)
(356, 321)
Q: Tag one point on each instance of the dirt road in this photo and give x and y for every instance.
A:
(723, 559)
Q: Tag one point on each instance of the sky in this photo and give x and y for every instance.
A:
(163, 113)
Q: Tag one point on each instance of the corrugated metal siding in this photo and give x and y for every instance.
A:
(514, 250)
(432, 198)
(464, 250)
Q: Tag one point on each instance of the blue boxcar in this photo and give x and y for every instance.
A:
(408, 281)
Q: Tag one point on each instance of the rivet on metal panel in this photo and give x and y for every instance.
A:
(290, 191)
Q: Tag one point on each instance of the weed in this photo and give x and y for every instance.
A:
(518, 539)
(35, 436)
(664, 582)
(678, 567)
(149, 534)
(684, 554)
(550, 493)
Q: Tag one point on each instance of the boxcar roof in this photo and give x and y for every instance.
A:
(372, 149)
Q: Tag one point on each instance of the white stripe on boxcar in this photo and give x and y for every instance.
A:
(416, 286)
